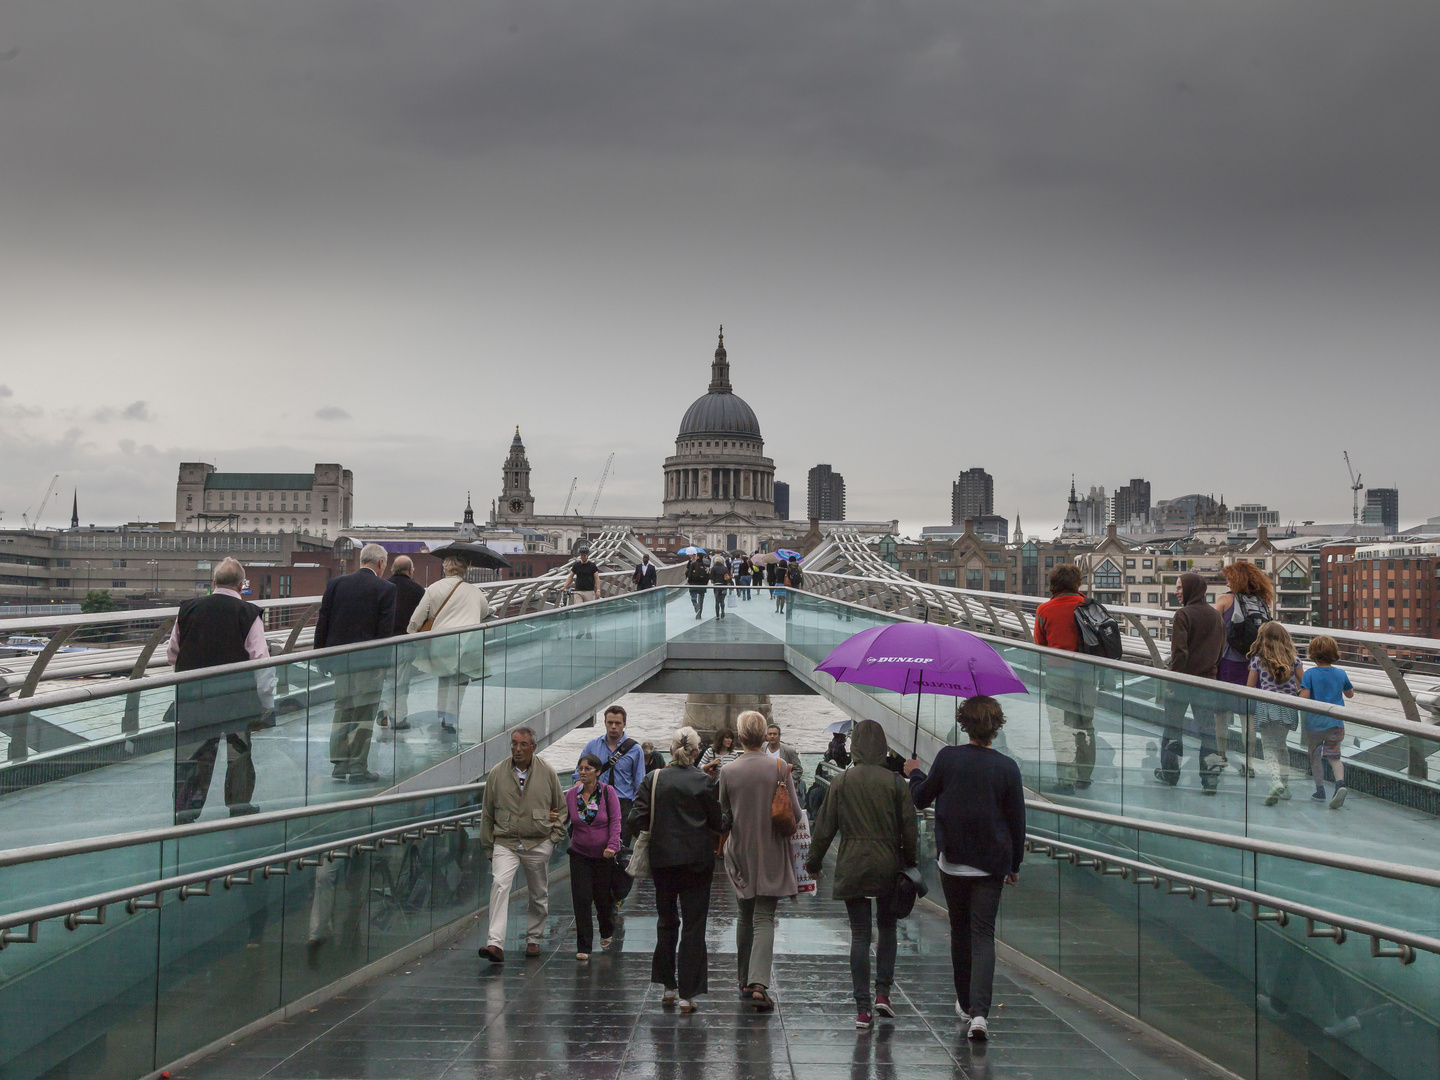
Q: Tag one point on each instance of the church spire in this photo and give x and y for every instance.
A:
(469, 510)
(720, 368)
(1072, 526)
(75, 509)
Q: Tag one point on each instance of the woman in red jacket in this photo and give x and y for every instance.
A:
(1069, 687)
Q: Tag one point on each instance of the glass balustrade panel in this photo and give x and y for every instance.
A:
(221, 954)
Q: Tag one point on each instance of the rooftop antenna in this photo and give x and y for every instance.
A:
(1355, 486)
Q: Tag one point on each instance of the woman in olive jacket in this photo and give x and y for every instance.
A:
(870, 807)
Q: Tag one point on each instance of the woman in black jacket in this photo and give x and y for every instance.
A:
(980, 833)
(683, 828)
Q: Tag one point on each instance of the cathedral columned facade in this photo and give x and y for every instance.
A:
(719, 466)
(719, 487)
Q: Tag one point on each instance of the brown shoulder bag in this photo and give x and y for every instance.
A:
(782, 810)
(429, 624)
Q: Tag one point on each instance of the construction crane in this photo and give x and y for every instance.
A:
(33, 523)
(1355, 486)
(573, 484)
(601, 486)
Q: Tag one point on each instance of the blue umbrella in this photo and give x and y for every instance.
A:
(691, 551)
(786, 553)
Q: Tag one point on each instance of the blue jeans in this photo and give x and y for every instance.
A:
(744, 586)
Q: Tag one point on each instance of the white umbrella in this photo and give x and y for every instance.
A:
(840, 727)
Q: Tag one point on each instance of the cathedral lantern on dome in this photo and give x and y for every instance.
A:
(719, 466)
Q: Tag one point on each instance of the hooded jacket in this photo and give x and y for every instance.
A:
(1197, 634)
(870, 807)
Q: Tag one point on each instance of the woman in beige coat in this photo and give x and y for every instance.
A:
(758, 860)
(453, 603)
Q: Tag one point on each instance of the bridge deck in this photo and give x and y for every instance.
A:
(451, 1015)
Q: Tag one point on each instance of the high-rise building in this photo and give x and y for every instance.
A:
(782, 500)
(1095, 512)
(1132, 505)
(1382, 507)
(826, 498)
(972, 495)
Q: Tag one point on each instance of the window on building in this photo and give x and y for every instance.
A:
(997, 580)
(1152, 598)
(1130, 578)
(946, 577)
(922, 575)
(974, 579)
(121, 585)
(1129, 564)
(1134, 598)
(1107, 576)
(1049, 561)
(1147, 564)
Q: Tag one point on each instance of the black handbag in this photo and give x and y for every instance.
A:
(909, 887)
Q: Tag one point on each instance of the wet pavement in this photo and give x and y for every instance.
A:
(550, 1018)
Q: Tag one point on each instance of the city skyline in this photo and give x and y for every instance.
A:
(1159, 243)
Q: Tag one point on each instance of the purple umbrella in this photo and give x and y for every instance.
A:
(919, 658)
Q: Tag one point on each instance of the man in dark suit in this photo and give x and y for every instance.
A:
(357, 607)
(644, 574)
(408, 594)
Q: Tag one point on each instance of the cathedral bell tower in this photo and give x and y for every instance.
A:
(516, 502)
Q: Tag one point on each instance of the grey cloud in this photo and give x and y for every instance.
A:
(137, 410)
(5, 391)
(331, 412)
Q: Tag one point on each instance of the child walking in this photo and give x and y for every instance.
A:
(1275, 667)
(1324, 735)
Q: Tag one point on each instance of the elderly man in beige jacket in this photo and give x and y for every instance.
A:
(522, 819)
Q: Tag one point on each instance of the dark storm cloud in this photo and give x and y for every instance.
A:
(1214, 106)
(1222, 103)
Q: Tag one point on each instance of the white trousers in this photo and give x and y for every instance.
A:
(503, 867)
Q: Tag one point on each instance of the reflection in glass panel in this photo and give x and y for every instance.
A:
(89, 768)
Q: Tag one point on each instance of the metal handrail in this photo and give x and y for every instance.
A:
(1219, 894)
(197, 883)
(1374, 647)
(172, 678)
(1356, 714)
(1419, 875)
(65, 848)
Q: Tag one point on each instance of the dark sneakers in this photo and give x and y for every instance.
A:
(883, 1006)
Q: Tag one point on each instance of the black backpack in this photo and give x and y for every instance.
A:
(1099, 632)
(1247, 615)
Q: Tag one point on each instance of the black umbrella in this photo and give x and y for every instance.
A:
(473, 552)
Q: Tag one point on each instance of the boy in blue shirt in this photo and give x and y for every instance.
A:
(1324, 734)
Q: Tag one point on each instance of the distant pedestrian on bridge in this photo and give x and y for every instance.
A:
(979, 802)
(451, 604)
(644, 573)
(584, 576)
(684, 819)
(356, 608)
(870, 807)
(1243, 610)
(758, 860)
(522, 818)
(209, 631)
(1069, 687)
(698, 578)
(743, 571)
(720, 579)
(1197, 638)
(408, 594)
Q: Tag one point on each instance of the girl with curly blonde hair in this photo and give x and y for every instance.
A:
(1275, 666)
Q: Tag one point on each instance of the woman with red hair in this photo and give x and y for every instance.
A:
(1251, 598)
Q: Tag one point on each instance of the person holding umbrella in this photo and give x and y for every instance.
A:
(979, 802)
(449, 604)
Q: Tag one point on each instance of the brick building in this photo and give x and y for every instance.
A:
(1382, 588)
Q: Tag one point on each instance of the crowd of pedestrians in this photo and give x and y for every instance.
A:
(1234, 640)
(732, 577)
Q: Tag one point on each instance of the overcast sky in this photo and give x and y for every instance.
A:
(1194, 242)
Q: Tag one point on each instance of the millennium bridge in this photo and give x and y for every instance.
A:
(1155, 932)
